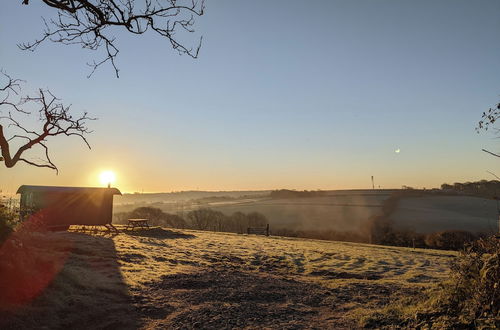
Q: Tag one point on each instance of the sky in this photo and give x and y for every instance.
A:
(284, 94)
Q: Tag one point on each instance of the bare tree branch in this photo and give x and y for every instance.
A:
(55, 118)
(87, 23)
(491, 153)
(493, 174)
(489, 118)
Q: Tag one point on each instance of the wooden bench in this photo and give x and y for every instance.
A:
(134, 223)
(258, 230)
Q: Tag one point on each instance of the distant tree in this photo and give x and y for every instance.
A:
(175, 221)
(256, 219)
(240, 222)
(89, 23)
(53, 117)
(154, 215)
(229, 224)
(200, 218)
(218, 221)
(450, 239)
(483, 188)
(208, 219)
(121, 217)
(446, 186)
(458, 186)
(286, 193)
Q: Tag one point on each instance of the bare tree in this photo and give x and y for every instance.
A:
(488, 120)
(200, 218)
(88, 23)
(55, 119)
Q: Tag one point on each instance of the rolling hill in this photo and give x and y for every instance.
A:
(192, 279)
(436, 213)
(338, 210)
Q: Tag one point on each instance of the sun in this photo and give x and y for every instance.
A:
(107, 177)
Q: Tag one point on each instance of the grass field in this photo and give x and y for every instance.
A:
(340, 210)
(436, 213)
(189, 279)
(350, 210)
(341, 213)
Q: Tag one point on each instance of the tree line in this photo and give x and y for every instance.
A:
(482, 188)
(200, 219)
(286, 193)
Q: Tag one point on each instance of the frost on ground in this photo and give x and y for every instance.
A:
(192, 279)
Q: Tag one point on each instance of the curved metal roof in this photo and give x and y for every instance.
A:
(83, 190)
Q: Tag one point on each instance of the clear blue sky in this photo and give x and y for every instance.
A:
(285, 94)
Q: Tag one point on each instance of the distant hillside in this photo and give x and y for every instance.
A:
(341, 210)
(184, 196)
(423, 211)
(426, 214)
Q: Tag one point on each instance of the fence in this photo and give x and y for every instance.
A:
(258, 230)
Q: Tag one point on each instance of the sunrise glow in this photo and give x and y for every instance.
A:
(107, 177)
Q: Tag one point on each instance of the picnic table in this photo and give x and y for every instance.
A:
(141, 223)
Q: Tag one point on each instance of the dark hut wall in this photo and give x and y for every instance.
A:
(69, 208)
(93, 208)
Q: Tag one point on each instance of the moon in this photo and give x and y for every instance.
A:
(397, 150)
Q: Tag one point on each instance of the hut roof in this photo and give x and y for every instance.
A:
(53, 189)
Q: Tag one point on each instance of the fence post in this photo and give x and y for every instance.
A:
(267, 230)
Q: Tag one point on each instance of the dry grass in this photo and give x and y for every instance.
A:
(189, 279)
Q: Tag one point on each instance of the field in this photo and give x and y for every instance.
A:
(341, 210)
(436, 213)
(192, 279)
(343, 213)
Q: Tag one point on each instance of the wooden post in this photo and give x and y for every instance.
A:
(267, 230)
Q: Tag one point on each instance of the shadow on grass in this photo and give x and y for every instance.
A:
(83, 286)
(223, 298)
(229, 299)
(158, 232)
